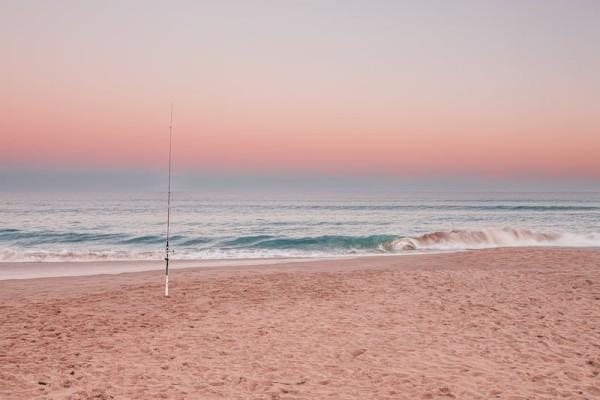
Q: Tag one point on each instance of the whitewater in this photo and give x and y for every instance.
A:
(130, 226)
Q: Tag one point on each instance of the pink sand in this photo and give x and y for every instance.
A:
(504, 323)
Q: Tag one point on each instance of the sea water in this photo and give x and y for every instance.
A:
(131, 226)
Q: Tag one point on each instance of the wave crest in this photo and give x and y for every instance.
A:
(489, 238)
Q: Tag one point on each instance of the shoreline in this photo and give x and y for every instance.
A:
(23, 270)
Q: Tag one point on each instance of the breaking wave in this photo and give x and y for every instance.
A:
(490, 238)
(149, 247)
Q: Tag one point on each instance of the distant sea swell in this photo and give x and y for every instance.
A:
(24, 245)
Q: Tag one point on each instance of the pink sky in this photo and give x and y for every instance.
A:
(496, 89)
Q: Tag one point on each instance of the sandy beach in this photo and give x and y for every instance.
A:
(503, 323)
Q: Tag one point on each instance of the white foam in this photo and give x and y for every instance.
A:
(491, 238)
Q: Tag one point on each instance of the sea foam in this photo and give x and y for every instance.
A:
(490, 238)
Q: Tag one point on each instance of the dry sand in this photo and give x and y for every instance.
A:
(506, 323)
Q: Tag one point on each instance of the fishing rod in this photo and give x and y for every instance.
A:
(167, 251)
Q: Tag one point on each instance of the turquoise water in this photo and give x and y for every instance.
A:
(110, 226)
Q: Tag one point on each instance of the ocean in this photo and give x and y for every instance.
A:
(49, 227)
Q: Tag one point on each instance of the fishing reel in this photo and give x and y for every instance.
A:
(169, 251)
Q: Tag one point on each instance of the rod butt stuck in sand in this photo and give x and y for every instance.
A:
(167, 250)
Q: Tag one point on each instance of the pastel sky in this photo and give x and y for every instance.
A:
(486, 88)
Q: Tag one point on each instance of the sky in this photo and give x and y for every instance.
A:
(474, 90)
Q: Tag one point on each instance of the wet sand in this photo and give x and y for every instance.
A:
(503, 323)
